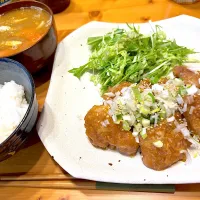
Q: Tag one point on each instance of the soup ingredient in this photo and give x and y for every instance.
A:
(168, 148)
(13, 107)
(4, 28)
(130, 56)
(12, 43)
(104, 133)
(21, 28)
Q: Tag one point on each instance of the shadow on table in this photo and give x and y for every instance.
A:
(25, 159)
(44, 74)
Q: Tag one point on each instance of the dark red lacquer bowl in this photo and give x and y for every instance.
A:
(41, 53)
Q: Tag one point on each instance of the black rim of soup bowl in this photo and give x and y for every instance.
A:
(26, 4)
(4, 151)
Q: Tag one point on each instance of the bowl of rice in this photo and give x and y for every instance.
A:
(18, 106)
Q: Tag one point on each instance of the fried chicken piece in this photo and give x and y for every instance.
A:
(188, 76)
(160, 158)
(144, 84)
(163, 80)
(116, 88)
(192, 115)
(104, 133)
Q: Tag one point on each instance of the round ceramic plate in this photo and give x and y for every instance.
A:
(61, 125)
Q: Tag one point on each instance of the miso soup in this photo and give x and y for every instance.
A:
(22, 28)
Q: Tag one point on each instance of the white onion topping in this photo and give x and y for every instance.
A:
(127, 117)
(180, 100)
(108, 102)
(156, 119)
(184, 107)
(158, 144)
(105, 123)
(185, 132)
(110, 94)
(171, 119)
(135, 133)
(124, 90)
(157, 87)
(192, 90)
(137, 139)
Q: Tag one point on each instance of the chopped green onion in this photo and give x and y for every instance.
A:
(152, 97)
(126, 126)
(137, 94)
(145, 122)
(155, 110)
(143, 133)
(182, 91)
(144, 110)
(138, 127)
(119, 117)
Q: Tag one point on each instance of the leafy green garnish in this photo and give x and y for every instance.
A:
(131, 56)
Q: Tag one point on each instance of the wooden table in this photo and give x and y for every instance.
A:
(32, 173)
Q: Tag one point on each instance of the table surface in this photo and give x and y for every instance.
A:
(32, 173)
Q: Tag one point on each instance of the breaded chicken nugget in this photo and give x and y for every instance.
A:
(143, 84)
(113, 90)
(163, 146)
(104, 133)
(192, 115)
(188, 76)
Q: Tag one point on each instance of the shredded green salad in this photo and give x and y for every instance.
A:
(128, 55)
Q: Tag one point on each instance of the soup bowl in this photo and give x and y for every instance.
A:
(12, 70)
(42, 52)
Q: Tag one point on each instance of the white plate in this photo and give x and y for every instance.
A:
(61, 125)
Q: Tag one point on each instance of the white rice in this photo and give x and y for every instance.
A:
(13, 107)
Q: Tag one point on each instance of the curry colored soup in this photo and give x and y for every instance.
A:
(21, 28)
